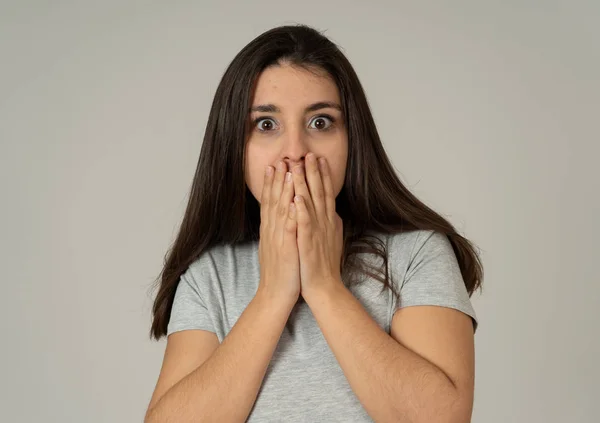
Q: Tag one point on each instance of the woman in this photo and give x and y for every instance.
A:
(312, 290)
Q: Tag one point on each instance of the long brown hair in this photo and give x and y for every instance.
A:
(221, 209)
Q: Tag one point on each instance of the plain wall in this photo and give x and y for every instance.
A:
(488, 110)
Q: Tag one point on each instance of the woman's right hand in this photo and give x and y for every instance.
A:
(278, 249)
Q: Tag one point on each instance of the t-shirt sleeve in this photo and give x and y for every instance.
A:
(433, 276)
(189, 309)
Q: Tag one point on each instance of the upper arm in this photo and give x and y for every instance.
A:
(191, 336)
(444, 337)
(186, 350)
(434, 316)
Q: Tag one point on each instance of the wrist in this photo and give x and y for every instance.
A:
(275, 300)
(323, 291)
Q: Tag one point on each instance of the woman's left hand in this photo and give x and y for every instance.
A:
(320, 228)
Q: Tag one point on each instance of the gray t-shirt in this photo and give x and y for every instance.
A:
(304, 382)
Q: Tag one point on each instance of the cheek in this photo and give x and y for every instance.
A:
(338, 173)
(337, 158)
(336, 170)
(254, 180)
(338, 179)
(256, 162)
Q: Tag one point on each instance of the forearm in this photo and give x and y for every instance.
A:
(393, 383)
(224, 387)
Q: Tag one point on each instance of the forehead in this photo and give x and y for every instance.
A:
(287, 85)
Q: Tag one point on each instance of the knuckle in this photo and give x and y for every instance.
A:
(282, 210)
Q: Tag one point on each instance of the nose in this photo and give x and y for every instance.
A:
(294, 147)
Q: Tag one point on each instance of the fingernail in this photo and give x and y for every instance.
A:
(268, 170)
(288, 176)
(322, 162)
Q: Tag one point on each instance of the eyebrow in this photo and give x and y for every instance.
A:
(271, 108)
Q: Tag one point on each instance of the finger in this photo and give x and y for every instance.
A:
(301, 188)
(290, 223)
(266, 193)
(327, 188)
(303, 218)
(276, 188)
(288, 190)
(315, 186)
(283, 207)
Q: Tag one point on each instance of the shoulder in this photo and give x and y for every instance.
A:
(221, 258)
(416, 239)
(427, 272)
(404, 247)
(221, 253)
(423, 259)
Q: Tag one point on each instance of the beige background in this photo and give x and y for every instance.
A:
(489, 111)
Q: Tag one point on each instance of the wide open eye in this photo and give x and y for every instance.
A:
(264, 124)
(321, 123)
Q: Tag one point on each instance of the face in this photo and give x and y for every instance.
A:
(294, 112)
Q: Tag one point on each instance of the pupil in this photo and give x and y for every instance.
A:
(319, 123)
(266, 124)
